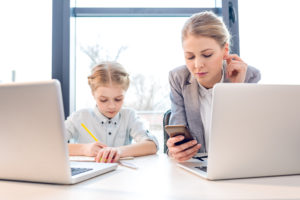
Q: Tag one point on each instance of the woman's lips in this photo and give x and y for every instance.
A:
(201, 74)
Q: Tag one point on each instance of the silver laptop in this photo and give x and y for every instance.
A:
(32, 136)
(255, 131)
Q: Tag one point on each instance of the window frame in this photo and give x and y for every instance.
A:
(64, 16)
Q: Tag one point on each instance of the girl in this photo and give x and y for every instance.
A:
(112, 125)
(205, 42)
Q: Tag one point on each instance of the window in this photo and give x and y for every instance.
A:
(147, 3)
(147, 47)
(25, 39)
(144, 36)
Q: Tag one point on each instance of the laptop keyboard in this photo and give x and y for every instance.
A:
(75, 171)
(202, 168)
(203, 160)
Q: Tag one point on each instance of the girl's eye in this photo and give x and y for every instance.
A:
(103, 101)
(207, 55)
(118, 99)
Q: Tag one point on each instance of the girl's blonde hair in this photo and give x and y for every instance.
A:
(206, 24)
(107, 74)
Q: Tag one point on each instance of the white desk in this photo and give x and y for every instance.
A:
(158, 177)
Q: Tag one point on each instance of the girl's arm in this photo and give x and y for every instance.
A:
(90, 149)
(142, 148)
(113, 154)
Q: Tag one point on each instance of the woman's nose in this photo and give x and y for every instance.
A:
(198, 63)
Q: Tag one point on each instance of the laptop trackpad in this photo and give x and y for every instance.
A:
(195, 165)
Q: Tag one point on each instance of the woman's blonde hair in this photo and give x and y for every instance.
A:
(108, 73)
(206, 24)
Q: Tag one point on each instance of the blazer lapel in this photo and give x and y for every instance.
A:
(192, 106)
(191, 91)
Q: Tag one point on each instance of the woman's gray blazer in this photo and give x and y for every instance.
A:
(185, 103)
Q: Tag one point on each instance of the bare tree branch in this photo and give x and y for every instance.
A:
(148, 92)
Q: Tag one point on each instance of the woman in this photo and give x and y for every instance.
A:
(205, 42)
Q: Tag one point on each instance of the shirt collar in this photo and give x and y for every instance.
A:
(104, 120)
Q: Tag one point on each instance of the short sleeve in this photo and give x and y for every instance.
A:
(138, 130)
(71, 130)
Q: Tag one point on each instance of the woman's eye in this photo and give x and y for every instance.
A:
(191, 57)
(103, 101)
(207, 55)
(118, 99)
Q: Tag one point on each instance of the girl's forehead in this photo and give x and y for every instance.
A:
(109, 91)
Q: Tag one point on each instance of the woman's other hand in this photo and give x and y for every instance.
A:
(236, 68)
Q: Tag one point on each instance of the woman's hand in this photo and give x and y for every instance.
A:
(184, 151)
(92, 149)
(236, 68)
(108, 155)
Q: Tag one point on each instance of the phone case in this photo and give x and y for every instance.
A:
(174, 130)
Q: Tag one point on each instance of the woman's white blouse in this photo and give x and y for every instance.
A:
(118, 131)
(205, 96)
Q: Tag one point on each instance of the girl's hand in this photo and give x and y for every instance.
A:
(92, 149)
(108, 155)
(236, 68)
(184, 151)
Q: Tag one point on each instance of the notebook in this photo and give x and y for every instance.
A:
(255, 132)
(32, 136)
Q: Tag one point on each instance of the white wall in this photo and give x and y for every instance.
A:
(25, 39)
(270, 38)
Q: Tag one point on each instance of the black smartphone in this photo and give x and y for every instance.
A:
(174, 130)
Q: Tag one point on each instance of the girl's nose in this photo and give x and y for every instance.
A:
(111, 105)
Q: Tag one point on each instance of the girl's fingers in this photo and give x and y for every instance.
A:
(105, 155)
(111, 156)
(99, 156)
(117, 157)
(108, 155)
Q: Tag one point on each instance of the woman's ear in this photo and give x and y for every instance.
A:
(226, 51)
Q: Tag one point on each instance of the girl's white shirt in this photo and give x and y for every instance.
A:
(117, 131)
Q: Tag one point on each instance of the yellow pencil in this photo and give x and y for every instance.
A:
(89, 132)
